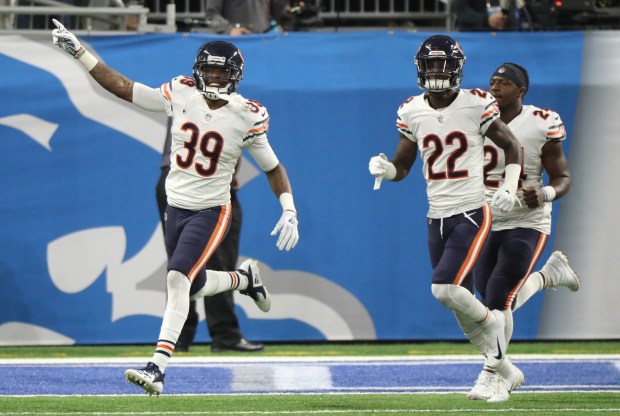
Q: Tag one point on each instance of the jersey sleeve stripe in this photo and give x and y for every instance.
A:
(251, 136)
(403, 128)
(491, 118)
(166, 90)
(488, 113)
(262, 121)
(556, 135)
(557, 132)
(258, 129)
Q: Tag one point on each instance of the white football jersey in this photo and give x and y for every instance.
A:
(533, 127)
(206, 144)
(450, 141)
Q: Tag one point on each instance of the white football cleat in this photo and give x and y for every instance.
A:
(559, 273)
(149, 378)
(510, 378)
(256, 290)
(485, 387)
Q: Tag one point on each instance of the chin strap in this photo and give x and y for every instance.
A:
(212, 95)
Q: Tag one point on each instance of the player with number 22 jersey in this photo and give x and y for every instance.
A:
(450, 141)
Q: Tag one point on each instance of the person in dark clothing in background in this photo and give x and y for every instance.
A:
(243, 17)
(478, 15)
(501, 15)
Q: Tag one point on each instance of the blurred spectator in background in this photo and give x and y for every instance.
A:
(494, 15)
(244, 17)
(92, 22)
(478, 15)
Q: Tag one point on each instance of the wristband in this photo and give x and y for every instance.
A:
(286, 200)
(390, 171)
(87, 59)
(549, 192)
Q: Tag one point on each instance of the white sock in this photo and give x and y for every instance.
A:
(535, 283)
(218, 282)
(474, 333)
(470, 313)
(508, 329)
(177, 308)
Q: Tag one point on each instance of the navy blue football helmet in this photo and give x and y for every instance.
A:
(219, 54)
(439, 61)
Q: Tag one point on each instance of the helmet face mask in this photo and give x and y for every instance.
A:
(440, 63)
(218, 69)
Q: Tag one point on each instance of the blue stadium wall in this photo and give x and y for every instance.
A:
(82, 251)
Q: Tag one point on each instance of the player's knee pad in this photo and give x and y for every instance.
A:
(178, 286)
(177, 281)
(451, 296)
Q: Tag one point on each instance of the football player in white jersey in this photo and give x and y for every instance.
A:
(211, 125)
(503, 274)
(447, 126)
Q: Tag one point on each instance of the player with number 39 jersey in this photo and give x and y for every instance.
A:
(534, 127)
(206, 144)
(211, 125)
(450, 141)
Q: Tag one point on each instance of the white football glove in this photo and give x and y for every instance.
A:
(379, 166)
(504, 198)
(66, 40)
(287, 227)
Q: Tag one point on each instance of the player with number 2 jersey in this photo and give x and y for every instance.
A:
(447, 126)
(503, 273)
(534, 127)
(450, 141)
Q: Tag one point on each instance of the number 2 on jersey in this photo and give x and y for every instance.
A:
(451, 172)
(210, 146)
(492, 161)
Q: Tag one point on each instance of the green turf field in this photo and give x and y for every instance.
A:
(321, 349)
(564, 404)
(316, 404)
